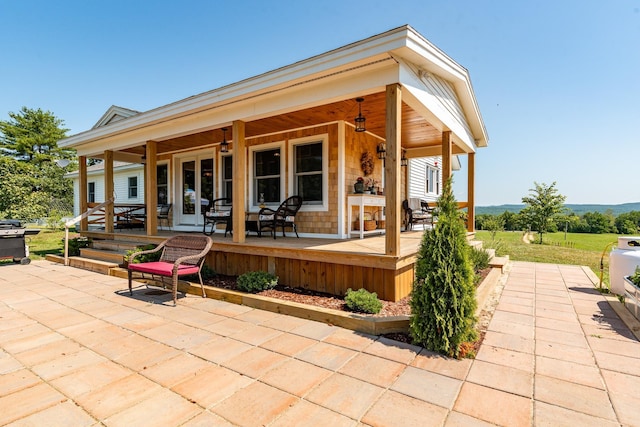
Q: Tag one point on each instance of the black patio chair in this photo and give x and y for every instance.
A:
(417, 211)
(163, 214)
(284, 216)
(219, 211)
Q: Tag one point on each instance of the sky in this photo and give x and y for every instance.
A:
(557, 82)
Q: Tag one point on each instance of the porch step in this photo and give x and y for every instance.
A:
(102, 255)
(114, 245)
(499, 262)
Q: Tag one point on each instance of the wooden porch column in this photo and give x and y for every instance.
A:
(150, 188)
(446, 156)
(239, 195)
(108, 190)
(392, 176)
(471, 202)
(83, 191)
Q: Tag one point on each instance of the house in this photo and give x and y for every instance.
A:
(310, 129)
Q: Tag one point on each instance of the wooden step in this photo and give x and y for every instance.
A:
(114, 245)
(499, 262)
(102, 267)
(102, 255)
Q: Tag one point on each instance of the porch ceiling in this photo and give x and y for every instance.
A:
(416, 131)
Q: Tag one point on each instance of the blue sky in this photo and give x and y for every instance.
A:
(557, 82)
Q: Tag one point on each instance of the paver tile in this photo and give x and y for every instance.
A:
(373, 369)
(117, 396)
(90, 378)
(569, 371)
(577, 397)
(626, 407)
(175, 370)
(310, 414)
(48, 351)
(207, 419)
(63, 414)
(295, 377)
(211, 385)
(327, 356)
(614, 362)
(428, 386)
(551, 415)
(67, 363)
(288, 344)
(395, 409)
(255, 362)
(345, 395)
(572, 326)
(567, 338)
(569, 353)
(393, 350)
(524, 331)
(481, 402)
(505, 357)
(501, 377)
(621, 348)
(28, 401)
(509, 342)
(457, 419)
(256, 334)
(163, 408)
(314, 330)
(350, 339)
(220, 350)
(256, 404)
(443, 365)
(17, 380)
(620, 383)
(178, 335)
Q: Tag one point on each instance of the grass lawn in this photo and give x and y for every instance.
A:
(577, 249)
(47, 242)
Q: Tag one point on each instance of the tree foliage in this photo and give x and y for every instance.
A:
(543, 203)
(443, 298)
(33, 185)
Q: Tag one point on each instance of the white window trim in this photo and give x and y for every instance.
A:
(264, 147)
(130, 187)
(436, 184)
(324, 139)
(169, 193)
(220, 174)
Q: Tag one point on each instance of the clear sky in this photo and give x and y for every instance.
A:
(557, 82)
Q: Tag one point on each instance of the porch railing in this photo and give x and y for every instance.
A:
(76, 220)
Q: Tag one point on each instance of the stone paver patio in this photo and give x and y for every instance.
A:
(77, 350)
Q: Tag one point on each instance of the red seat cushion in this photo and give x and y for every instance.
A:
(163, 268)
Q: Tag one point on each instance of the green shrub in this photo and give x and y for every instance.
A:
(256, 281)
(479, 258)
(363, 301)
(443, 300)
(76, 244)
(635, 277)
(145, 257)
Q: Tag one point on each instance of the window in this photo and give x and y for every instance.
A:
(162, 172)
(227, 177)
(133, 187)
(91, 193)
(266, 176)
(433, 180)
(307, 171)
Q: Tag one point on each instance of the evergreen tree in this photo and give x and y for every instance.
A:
(443, 300)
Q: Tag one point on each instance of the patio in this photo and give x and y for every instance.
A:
(76, 349)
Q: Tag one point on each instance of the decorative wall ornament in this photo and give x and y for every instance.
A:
(366, 163)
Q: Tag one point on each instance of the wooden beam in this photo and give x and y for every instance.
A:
(431, 151)
(83, 191)
(108, 190)
(392, 173)
(471, 196)
(446, 156)
(151, 187)
(239, 180)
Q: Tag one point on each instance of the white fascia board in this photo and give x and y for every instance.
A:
(341, 59)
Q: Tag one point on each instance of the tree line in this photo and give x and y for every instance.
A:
(544, 211)
(32, 167)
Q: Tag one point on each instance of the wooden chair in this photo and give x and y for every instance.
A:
(284, 216)
(181, 256)
(163, 214)
(220, 211)
(417, 211)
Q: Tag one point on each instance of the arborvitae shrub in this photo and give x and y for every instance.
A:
(363, 301)
(443, 298)
(256, 281)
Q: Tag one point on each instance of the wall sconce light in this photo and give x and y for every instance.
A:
(381, 149)
(360, 120)
(403, 160)
(224, 145)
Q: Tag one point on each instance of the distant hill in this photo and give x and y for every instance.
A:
(575, 208)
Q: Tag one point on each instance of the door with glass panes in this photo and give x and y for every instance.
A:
(195, 188)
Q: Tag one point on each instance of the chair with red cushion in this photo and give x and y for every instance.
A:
(181, 256)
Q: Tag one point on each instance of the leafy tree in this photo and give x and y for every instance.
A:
(628, 222)
(510, 221)
(33, 185)
(598, 222)
(543, 203)
(443, 298)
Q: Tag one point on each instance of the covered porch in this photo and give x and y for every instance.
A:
(293, 131)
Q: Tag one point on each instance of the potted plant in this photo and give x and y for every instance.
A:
(358, 187)
(634, 279)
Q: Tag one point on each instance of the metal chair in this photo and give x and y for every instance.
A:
(284, 216)
(220, 211)
(163, 214)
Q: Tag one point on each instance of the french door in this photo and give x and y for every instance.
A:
(195, 184)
